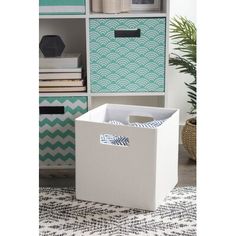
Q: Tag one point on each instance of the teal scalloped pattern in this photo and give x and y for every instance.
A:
(57, 132)
(127, 64)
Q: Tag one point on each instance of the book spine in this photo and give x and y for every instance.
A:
(61, 83)
(57, 63)
(62, 89)
(57, 76)
(61, 70)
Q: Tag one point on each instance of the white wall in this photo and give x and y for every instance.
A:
(177, 95)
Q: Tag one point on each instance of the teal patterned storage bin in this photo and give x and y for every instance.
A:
(57, 132)
(61, 7)
(127, 55)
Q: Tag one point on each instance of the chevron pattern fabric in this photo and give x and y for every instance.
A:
(111, 139)
(114, 140)
(127, 64)
(56, 132)
(151, 124)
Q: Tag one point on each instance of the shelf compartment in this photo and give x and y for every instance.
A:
(127, 55)
(72, 32)
(151, 100)
(140, 10)
(57, 131)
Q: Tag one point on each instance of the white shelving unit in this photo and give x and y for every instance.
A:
(74, 30)
(131, 14)
(62, 16)
(77, 40)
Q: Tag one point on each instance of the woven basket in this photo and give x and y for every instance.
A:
(189, 137)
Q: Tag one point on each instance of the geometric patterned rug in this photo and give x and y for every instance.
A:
(61, 214)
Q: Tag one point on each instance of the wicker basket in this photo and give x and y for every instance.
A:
(189, 137)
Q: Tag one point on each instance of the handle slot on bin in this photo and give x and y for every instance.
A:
(51, 110)
(139, 118)
(115, 140)
(127, 33)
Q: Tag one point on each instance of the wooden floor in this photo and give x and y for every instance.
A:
(187, 169)
(66, 178)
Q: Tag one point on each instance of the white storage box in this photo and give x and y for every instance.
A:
(138, 175)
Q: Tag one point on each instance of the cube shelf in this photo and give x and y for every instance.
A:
(140, 76)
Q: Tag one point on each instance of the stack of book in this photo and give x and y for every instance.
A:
(61, 74)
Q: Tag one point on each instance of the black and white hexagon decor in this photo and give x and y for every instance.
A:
(51, 45)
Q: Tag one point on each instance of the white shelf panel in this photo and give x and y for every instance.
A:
(62, 16)
(132, 14)
(63, 94)
(127, 94)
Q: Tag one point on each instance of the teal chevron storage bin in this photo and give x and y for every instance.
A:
(127, 54)
(61, 7)
(57, 131)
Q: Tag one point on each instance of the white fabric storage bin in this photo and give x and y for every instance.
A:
(139, 175)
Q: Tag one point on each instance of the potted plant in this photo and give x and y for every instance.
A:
(183, 34)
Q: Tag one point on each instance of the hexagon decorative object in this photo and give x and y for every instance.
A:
(51, 45)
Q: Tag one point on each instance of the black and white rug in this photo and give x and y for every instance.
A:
(60, 213)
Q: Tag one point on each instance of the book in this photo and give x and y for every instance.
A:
(62, 89)
(61, 83)
(61, 7)
(61, 70)
(63, 61)
(58, 76)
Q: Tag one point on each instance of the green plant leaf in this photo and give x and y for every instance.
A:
(191, 87)
(183, 34)
(182, 64)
